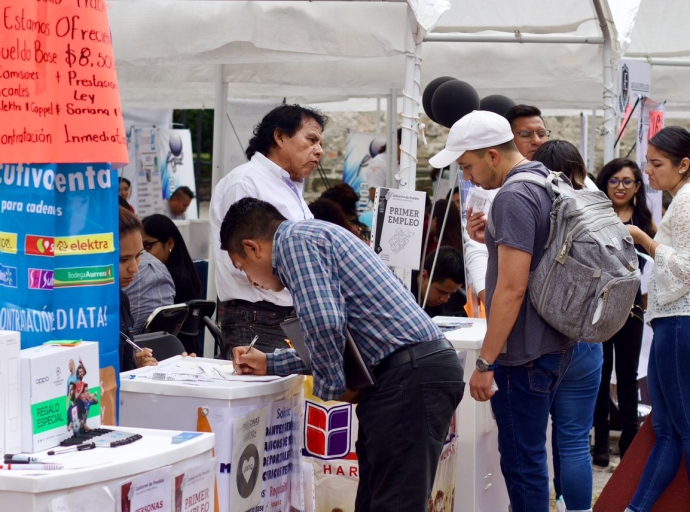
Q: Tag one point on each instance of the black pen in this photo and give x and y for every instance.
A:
(78, 448)
(234, 370)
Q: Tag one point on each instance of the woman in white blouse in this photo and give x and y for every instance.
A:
(668, 312)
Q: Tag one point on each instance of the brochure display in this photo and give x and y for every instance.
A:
(60, 394)
(94, 479)
(255, 420)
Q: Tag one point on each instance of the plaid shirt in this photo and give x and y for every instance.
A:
(336, 281)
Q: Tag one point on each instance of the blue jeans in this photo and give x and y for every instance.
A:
(521, 406)
(572, 413)
(668, 381)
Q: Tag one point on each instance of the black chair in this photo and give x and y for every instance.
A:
(200, 315)
(166, 318)
(163, 344)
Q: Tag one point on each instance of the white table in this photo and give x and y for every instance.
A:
(22, 491)
(145, 402)
(479, 484)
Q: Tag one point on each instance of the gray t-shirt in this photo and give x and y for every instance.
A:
(520, 215)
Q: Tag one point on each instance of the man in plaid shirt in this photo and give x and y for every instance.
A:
(336, 281)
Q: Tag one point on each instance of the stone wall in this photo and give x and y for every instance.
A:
(341, 123)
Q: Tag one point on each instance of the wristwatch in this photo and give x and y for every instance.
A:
(484, 366)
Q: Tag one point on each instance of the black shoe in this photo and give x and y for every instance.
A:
(600, 458)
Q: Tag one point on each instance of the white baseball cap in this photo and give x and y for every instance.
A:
(477, 130)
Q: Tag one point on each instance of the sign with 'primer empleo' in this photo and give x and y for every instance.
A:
(398, 226)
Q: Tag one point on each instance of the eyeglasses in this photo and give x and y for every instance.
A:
(149, 245)
(627, 182)
(527, 135)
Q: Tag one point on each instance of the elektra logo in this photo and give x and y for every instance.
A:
(8, 276)
(327, 431)
(36, 245)
(8, 242)
(43, 380)
(40, 279)
(84, 244)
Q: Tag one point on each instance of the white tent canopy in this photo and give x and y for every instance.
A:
(660, 35)
(167, 52)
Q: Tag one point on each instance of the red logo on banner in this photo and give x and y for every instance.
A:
(36, 245)
(327, 431)
(656, 122)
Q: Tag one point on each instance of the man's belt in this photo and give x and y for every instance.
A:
(408, 353)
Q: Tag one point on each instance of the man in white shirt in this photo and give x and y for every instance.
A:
(285, 150)
(176, 206)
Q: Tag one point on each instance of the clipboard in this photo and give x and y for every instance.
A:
(357, 373)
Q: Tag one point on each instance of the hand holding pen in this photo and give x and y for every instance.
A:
(143, 356)
(246, 363)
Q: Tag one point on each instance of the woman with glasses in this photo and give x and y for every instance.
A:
(163, 240)
(621, 181)
(668, 311)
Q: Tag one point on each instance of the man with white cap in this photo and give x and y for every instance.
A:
(523, 354)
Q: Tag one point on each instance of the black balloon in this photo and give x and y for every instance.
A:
(496, 103)
(429, 93)
(452, 101)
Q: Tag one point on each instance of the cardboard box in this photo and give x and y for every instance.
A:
(59, 399)
(10, 418)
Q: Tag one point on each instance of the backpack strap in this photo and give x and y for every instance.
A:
(549, 183)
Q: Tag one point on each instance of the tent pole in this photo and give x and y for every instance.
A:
(391, 123)
(412, 94)
(584, 150)
(219, 113)
(609, 127)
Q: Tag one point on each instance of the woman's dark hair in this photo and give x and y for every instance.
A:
(674, 142)
(642, 216)
(288, 119)
(345, 196)
(125, 180)
(452, 234)
(562, 156)
(129, 223)
(330, 211)
(180, 265)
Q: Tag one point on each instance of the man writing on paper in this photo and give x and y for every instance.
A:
(337, 282)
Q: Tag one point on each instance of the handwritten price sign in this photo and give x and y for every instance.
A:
(59, 99)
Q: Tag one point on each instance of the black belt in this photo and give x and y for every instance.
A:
(406, 354)
(262, 305)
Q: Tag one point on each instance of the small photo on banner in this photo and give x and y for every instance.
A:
(149, 491)
(194, 488)
(249, 438)
(176, 163)
(360, 150)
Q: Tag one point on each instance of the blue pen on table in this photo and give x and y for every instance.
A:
(234, 370)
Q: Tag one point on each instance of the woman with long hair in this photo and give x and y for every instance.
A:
(668, 312)
(163, 240)
(131, 248)
(621, 180)
(573, 404)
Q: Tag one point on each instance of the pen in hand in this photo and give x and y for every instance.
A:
(234, 370)
(129, 340)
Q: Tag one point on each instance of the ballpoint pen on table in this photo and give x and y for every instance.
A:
(31, 467)
(234, 370)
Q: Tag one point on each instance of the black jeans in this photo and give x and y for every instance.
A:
(402, 427)
(243, 320)
(627, 344)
